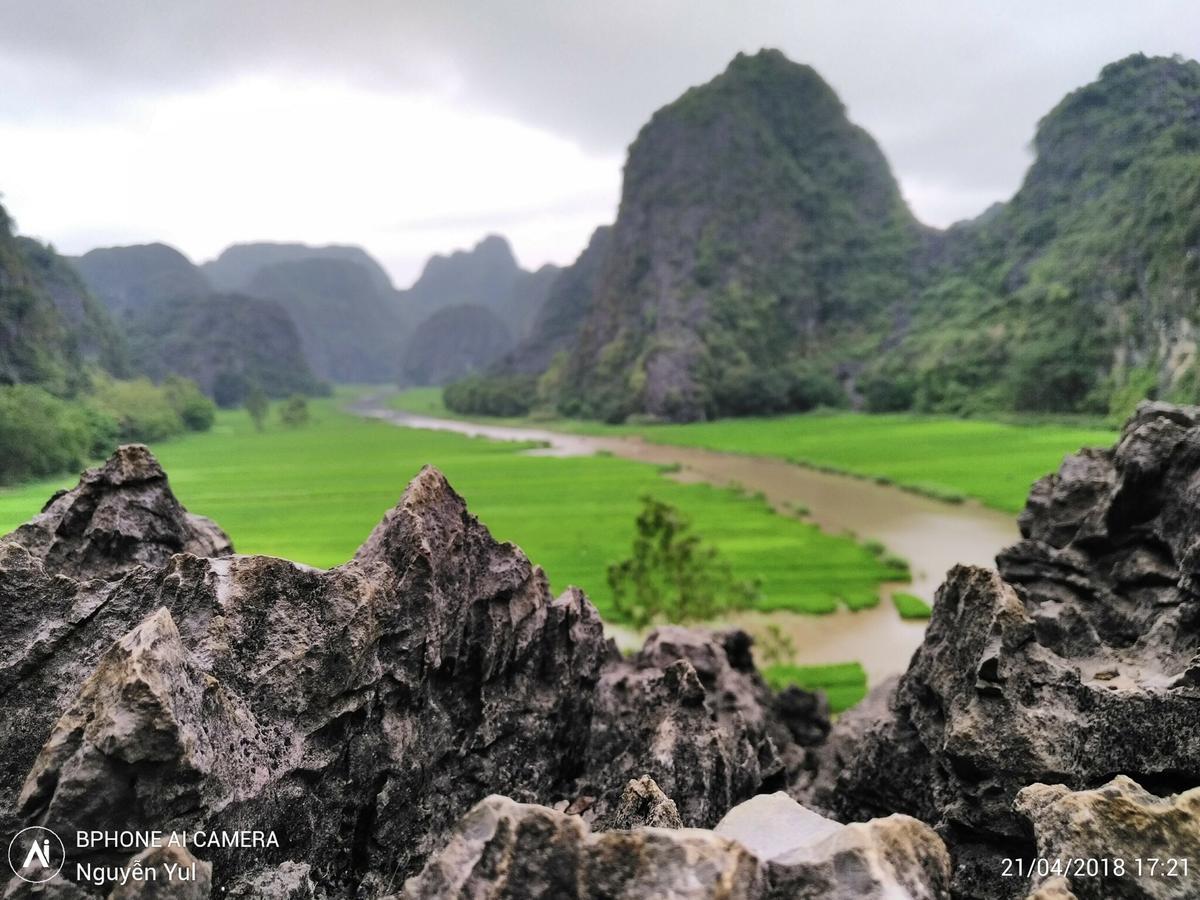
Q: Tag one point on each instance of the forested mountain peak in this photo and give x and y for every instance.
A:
(130, 278)
(757, 226)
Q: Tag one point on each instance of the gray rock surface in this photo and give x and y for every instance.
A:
(503, 849)
(120, 516)
(893, 857)
(1076, 661)
(1057, 888)
(690, 710)
(643, 804)
(356, 713)
(177, 875)
(1117, 821)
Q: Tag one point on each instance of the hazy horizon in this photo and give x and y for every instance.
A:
(414, 131)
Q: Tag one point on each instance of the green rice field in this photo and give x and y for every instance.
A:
(313, 494)
(844, 684)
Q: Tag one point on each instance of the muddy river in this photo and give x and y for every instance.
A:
(930, 534)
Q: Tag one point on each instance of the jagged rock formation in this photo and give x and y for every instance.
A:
(697, 700)
(645, 805)
(1077, 660)
(120, 516)
(356, 713)
(1139, 845)
(359, 712)
(512, 851)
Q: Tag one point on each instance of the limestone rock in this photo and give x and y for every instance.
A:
(644, 804)
(897, 856)
(1057, 888)
(1117, 821)
(355, 713)
(288, 881)
(1077, 660)
(503, 849)
(690, 710)
(177, 875)
(121, 515)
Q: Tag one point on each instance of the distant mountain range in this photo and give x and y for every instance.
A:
(763, 257)
(333, 311)
(762, 260)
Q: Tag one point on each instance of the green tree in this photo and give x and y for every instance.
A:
(143, 411)
(673, 575)
(294, 411)
(257, 405)
(196, 410)
(41, 434)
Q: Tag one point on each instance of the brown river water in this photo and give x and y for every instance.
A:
(930, 534)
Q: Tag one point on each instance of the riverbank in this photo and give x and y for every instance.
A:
(993, 462)
(932, 536)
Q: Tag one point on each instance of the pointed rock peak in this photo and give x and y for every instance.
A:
(773, 78)
(121, 515)
(130, 464)
(429, 519)
(495, 245)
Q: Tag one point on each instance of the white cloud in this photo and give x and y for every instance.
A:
(321, 162)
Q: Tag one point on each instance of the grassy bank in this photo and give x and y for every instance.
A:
(994, 462)
(844, 684)
(313, 494)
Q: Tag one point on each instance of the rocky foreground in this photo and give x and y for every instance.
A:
(427, 721)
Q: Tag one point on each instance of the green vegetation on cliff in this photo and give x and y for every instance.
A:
(1080, 294)
(60, 404)
(760, 234)
(763, 261)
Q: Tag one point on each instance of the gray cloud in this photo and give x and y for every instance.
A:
(951, 89)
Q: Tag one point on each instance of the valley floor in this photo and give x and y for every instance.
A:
(312, 494)
(947, 458)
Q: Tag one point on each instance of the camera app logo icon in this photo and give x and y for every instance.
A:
(36, 854)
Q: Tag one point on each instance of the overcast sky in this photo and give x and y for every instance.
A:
(418, 127)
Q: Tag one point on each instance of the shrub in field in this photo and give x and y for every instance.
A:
(294, 411)
(673, 575)
(500, 395)
(142, 410)
(776, 647)
(185, 396)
